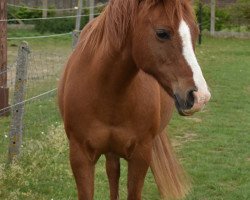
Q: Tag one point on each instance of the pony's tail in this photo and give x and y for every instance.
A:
(169, 176)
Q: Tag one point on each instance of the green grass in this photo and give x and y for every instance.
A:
(213, 145)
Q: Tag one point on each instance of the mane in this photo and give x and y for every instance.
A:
(188, 11)
(113, 24)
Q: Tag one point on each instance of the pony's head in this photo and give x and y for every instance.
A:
(161, 35)
(163, 39)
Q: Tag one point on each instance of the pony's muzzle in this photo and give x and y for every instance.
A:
(194, 102)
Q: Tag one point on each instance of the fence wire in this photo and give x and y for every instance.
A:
(39, 37)
(54, 9)
(43, 18)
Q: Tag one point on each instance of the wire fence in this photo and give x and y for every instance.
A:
(43, 18)
(54, 9)
(39, 98)
(230, 17)
(38, 37)
(51, 3)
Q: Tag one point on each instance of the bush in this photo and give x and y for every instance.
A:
(49, 25)
(58, 25)
(222, 18)
(24, 13)
(240, 13)
(235, 16)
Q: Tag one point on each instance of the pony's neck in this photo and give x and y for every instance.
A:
(116, 70)
(107, 41)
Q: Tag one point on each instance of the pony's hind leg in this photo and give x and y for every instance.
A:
(113, 172)
(138, 166)
(83, 170)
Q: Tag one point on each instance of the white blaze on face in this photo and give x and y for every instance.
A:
(188, 53)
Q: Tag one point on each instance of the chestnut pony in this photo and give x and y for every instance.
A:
(132, 64)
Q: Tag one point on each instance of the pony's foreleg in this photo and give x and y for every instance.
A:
(83, 170)
(113, 172)
(138, 166)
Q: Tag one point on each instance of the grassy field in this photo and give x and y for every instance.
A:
(214, 145)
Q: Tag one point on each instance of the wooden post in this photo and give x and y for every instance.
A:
(75, 36)
(4, 92)
(91, 9)
(212, 20)
(45, 8)
(79, 13)
(77, 31)
(200, 21)
(16, 128)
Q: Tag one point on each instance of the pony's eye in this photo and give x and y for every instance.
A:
(163, 34)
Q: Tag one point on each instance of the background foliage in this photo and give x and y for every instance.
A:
(235, 17)
(58, 25)
(24, 13)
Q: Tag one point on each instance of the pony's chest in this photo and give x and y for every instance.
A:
(134, 110)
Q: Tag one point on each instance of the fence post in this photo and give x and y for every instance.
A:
(76, 32)
(16, 127)
(4, 91)
(75, 36)
(91, 9)
(212, 20)
(79, 13)
(45, 8)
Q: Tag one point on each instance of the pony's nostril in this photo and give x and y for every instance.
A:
(190, 100)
